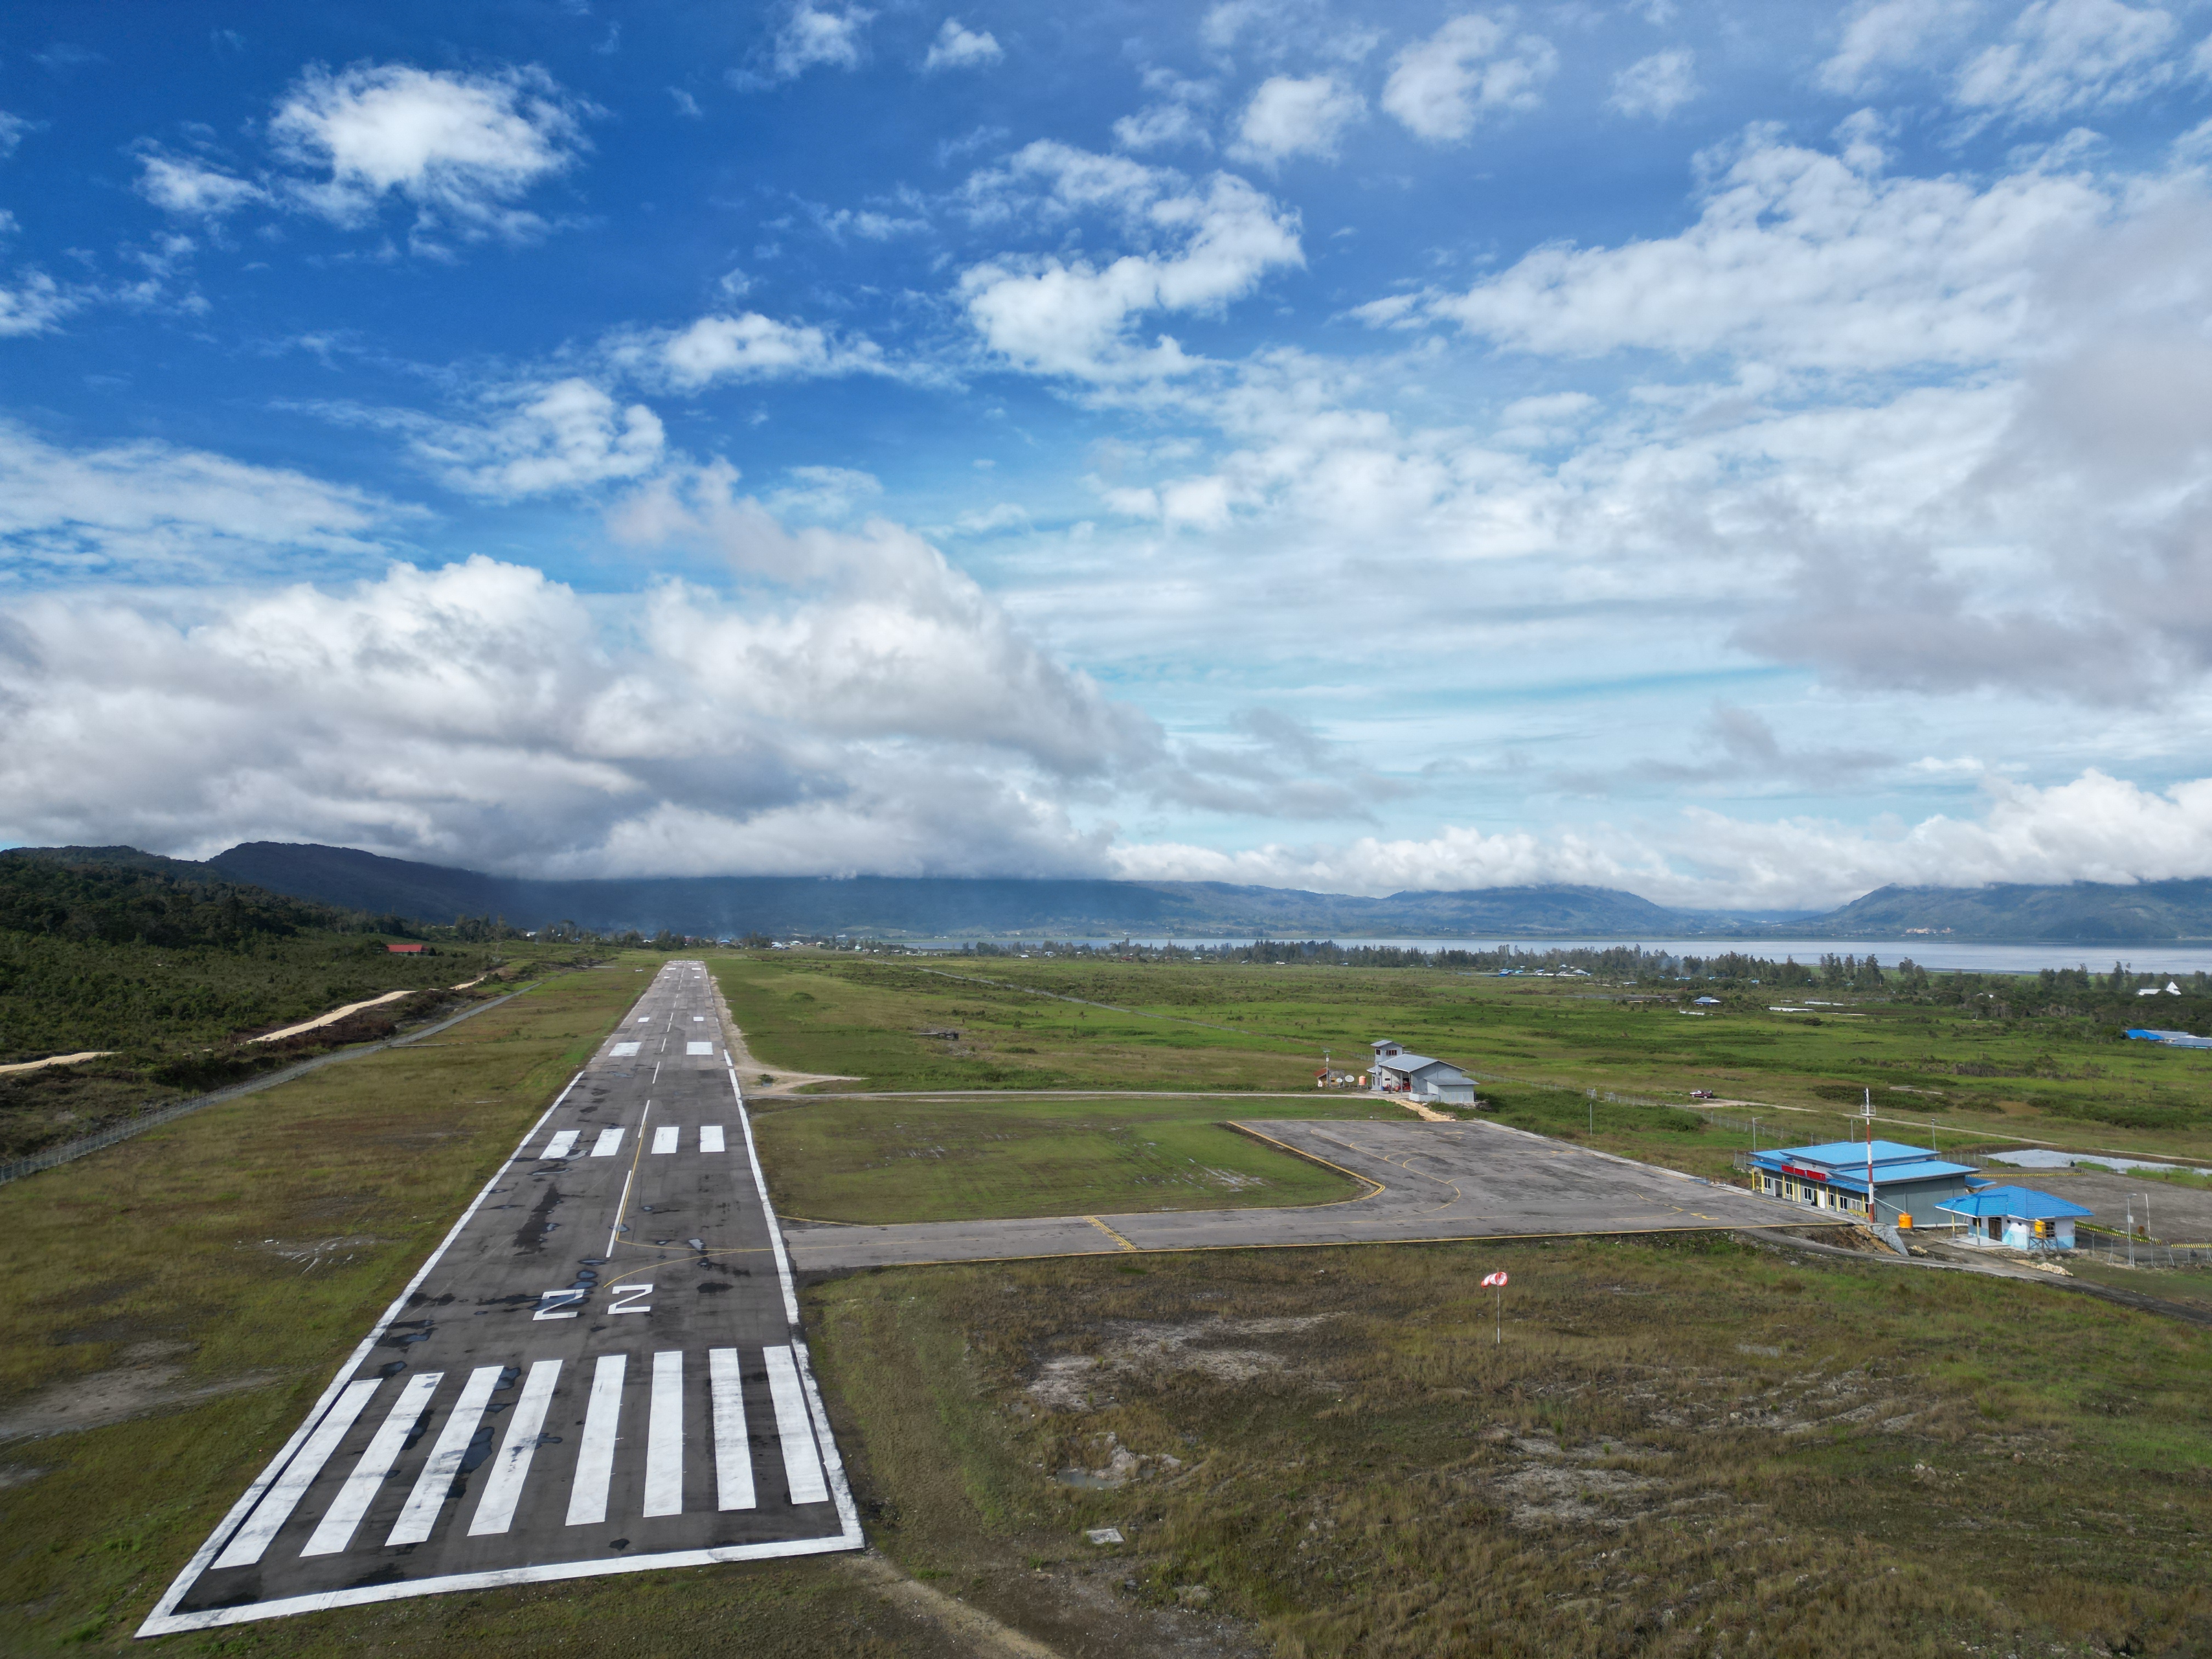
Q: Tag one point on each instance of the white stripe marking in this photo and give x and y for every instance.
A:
(436, 1484)
(561, 1145)
(595, 1458)
(644, 1019)
(353, 1498)
(666, 1137)
(733, 1462)
(275, 1509)
(624, 1050)
(503, 1486)
(609, 1143)
(698, 1019)
(698, 1048)
(664, 1436)
(710, 1137)
(802, 1465)
(164, 1619)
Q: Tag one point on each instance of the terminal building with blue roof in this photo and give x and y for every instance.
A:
(1908, 1181)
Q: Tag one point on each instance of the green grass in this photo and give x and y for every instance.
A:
(1209, 1025)
(879, 1161)
(1680, 1448)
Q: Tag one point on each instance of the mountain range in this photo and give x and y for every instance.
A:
(923, 907)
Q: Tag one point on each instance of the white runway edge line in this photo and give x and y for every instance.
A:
(163, 1621)
(833, 1464)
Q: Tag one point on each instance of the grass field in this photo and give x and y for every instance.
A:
(1209, 1026)
(879, 1161)
(1692, 1448)
(248, 1248)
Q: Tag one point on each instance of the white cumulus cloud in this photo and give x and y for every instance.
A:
(460, 147)
(1290, 117)
(1805, 258)
(957, 47)
(1204, 247)
(745, 347)
(1656, 86)
(2062, 56)
(814, 35)
(189, 188)
(1474, 66)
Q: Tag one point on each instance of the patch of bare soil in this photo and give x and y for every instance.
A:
(148, 1380)
(1216, 1348)
(757, 1078)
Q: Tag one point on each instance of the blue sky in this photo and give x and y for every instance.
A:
(1743, 454)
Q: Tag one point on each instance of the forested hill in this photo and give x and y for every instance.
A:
(120, 895)
(2087, 911)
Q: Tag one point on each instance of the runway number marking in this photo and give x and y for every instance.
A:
(625, 1294)
(551, 1302)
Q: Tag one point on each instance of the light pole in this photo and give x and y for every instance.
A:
(1870, 1127)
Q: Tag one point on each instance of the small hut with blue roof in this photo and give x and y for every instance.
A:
(2018, 1218)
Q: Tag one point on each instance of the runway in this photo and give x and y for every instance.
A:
(1430, 1181)
(599, 1371)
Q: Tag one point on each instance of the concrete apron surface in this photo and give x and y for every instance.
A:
(1430, 1182)
(599, 1371)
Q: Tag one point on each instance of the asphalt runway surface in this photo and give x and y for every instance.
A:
(599, 1371)
(1431, 1181)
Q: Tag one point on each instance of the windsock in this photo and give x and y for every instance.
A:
(1494, 1282)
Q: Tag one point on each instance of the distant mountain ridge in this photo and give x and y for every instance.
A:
(2088, 912)
(925, 906)
(2084, 911)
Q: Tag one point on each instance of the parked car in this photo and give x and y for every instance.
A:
(1702, 1094)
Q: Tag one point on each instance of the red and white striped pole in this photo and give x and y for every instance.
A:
(1497, 1282)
